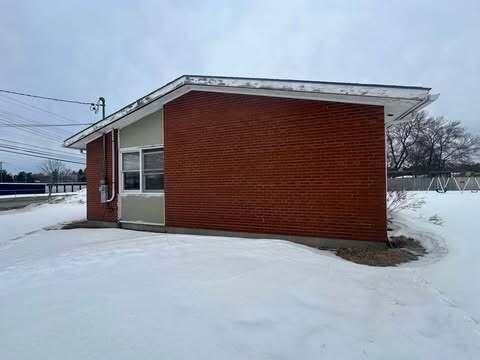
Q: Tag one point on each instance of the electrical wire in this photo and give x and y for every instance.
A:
(28, 122)
(67, 151)
(57, 151)
(42, 157)
(37, 134)
(24, 120)
(47, 97)
(43, 125)
(25, 124)
(34, 107)
(41, 151)
(22, 126)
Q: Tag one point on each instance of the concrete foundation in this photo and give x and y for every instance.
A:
(318, 243)
(142, 227)
(315, 242)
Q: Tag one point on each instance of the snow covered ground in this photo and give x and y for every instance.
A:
(449, 225)
(119, 294)
(15, 224)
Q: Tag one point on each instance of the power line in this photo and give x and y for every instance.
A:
(42, 157)
(47, 98)
(37, 133)
(66, 151)
(34, 107)
(34, 145)
(25, 120)
(43, 153)
(48, 152)
(39, 152)
(43, 125)
(29, 151)
(21, 119)
(55, 145)
(26, 125)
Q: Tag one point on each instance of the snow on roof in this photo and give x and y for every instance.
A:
(376, 94)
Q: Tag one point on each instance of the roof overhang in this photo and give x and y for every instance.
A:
(400, 102)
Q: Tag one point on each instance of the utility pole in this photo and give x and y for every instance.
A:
(96, 107)
(103, 188)
(101, 101)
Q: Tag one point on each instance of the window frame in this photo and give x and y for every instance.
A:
(122, 171)
(152, 171)
(139, 150)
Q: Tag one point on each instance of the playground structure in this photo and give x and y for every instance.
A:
(440, 182)
(462, 183)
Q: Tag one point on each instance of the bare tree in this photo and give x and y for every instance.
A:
(444, 145)
(56, 170)
(428, 144)
(401, 139)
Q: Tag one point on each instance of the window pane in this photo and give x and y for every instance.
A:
(131, 180)
(153, 181)
(153, 160)
(131, 161)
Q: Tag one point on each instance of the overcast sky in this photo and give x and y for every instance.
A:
(86, 49)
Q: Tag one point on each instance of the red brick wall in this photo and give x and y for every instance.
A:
(97, 211)
(274, 165)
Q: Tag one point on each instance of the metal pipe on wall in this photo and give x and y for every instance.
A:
(112, 195)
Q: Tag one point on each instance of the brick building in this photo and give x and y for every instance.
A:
(291, 159)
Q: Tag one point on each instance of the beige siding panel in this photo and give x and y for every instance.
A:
(147, 131)
(144, 208)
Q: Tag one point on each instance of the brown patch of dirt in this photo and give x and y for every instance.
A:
(85, 224)
(402, 249)
(76, 225)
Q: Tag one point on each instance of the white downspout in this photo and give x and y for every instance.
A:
(113, 166)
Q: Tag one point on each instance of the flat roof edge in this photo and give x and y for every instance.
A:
(310, 81)
(318, 87)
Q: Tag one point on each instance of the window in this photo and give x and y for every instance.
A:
(131, 170)
(153, 170)
(142, 170)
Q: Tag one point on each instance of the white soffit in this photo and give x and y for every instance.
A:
(400, 102)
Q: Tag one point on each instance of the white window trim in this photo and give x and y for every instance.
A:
(151, 171)
(138, 149)
(122, 188)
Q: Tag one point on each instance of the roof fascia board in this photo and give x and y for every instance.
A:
(349, 93)
(306, 81)
(100, 125)
(313, 87)
(411, 112)
(157, 104)
(131, 117)
(365, 100)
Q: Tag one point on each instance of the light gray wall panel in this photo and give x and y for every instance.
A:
(145, 208)
(147, 131)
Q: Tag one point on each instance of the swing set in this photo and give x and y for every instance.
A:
(441, 182)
